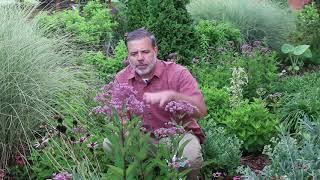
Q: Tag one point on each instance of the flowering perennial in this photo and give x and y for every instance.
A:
(62, 176)
(177, 163)
(169, 130)
(115, 95)
(180, 108)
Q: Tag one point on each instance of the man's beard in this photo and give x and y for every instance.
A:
(143, 72)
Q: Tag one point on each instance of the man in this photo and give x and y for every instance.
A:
(157, 83)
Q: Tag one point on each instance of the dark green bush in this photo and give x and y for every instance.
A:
(137, 14)
(172, 26)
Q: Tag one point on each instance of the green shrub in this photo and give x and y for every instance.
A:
(256, 19)
(300, 98)
(172, 26)
(308, 25)
(91, 28)
(221, 149)
(137, 14)
(261, 70)
(252, 124)
(31, 78)
(217, 101)
(211, 76)
(213, 34)
(107, 67)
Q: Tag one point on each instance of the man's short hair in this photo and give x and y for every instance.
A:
(140, 34)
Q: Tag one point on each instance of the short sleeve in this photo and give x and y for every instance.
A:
(187, 85)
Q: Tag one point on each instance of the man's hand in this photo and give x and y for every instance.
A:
(160, 98)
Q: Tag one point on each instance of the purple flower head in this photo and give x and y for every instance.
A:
(217, 174)
(62, 176)
(82, 139)
(79, 130)
(236, 178)
(180, 108)
(115, 95)
(256, 43)
(246, 49)
(264, 50)
(92, 145)
(169, 129)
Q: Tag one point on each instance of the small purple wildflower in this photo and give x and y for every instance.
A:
(79, 130)
(256, 43)
(236, 178)
(246, 49)
(92, 145)
(264, 50)
(62, 176)
(217, 174)
(82, 139)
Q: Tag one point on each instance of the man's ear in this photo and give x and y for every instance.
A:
(155, 50)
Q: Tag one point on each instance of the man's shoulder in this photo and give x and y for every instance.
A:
(122, 75)
(174, 68)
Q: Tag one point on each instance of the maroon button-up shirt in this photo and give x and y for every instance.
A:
(166, 76)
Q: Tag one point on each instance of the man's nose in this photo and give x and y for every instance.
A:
(140, 56)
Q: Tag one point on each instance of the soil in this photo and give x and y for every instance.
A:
(255, 162)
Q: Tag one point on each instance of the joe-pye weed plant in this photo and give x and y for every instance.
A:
(31, 76)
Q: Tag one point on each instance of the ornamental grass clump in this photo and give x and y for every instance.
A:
(31, 77)
(256, 19)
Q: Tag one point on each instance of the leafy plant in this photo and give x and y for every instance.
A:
(308, 23)
(293, 158)
(221, 149)
(213, 34)
(257, 20)
(252, 124)
(296, 54)
(91, 27)
(137, 12)
(107, 67)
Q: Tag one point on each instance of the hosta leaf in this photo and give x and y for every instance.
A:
(287, 48)
(307, 54)
(298, 50)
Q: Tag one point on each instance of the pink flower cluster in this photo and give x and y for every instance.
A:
(115, 95)
(170, 129)
(180, 108)
(62, 176)
(177, 163)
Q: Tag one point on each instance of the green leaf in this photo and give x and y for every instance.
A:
(307, 54)
(116, 170)
(299, 50)
(287, 48)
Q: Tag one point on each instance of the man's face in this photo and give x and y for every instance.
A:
(142, 56)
